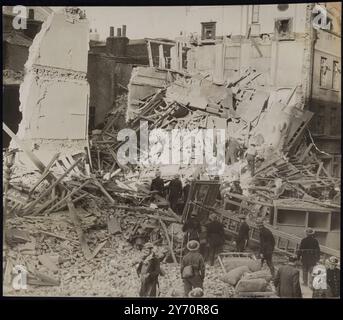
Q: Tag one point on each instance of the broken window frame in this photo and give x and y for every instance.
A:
(289, 35)
(207, 26)
(323, 72)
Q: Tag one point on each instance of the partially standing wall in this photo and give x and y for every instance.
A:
(54, 94)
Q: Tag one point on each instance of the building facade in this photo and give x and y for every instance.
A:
(281, 42)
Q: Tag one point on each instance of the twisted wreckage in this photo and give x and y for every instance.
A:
(84, 196)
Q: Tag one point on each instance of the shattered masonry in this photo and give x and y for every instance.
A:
(55, 91)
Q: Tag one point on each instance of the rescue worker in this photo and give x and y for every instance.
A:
(215, 237)
(157, 184)
(333, 277)
(267, 243)
(243, 234)
(250, 155)
(148, 270)
(287, 281)
(309, 253)
(175, 192)
(192, 268)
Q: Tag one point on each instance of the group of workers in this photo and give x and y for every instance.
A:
(174, 192)
(204, 243)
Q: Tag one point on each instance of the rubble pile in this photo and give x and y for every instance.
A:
(79, 223)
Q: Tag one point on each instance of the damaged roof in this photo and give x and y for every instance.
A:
(17, 38)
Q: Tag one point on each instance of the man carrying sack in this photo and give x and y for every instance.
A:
(192, 268)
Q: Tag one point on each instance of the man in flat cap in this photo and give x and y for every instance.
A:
(243, 234)
(215, 237)
(309, 253)
(267, 244)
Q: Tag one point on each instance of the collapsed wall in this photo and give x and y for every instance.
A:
(54, 93)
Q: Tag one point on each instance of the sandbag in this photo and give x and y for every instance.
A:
(234, 275)
(253, 285)
(232, 263)
(262, 274)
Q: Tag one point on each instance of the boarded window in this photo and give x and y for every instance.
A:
(208, 31)
(255, 14)
(284, 28)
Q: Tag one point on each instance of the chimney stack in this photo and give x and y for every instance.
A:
(117, 46)
(31, 14)
(111, 31)
(124, 30)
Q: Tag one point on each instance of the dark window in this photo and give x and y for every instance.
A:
(255, 14)
(320, 120)
(208, 30)
(283, 28)
(334, 122)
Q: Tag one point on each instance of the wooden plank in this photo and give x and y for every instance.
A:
(168, 240)
(77, 224)
(151, 64)
(41, 167)
(108, 196)
(32, 204)
(68, 196)
(45, 173)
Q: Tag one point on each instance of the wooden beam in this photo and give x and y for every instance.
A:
(168, 240)
(151, 63)
(45, 173)
(68, 196)
(33, 203)
(30, 155)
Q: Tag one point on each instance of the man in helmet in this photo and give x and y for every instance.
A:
(192, 268)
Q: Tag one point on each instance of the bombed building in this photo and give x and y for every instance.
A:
(118, 144)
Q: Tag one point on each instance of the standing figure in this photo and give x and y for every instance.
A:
(287, 281)
(149, 270)
(215, 237)
(333, 277)
(203, 242)
(175, 192)
(243, 234)
(192, 268)
(192, 228)
(309, 253)
(267, 243)
(157, 184)
(233, 147)
(251, 155)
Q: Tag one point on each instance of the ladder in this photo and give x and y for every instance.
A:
(284, 242)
